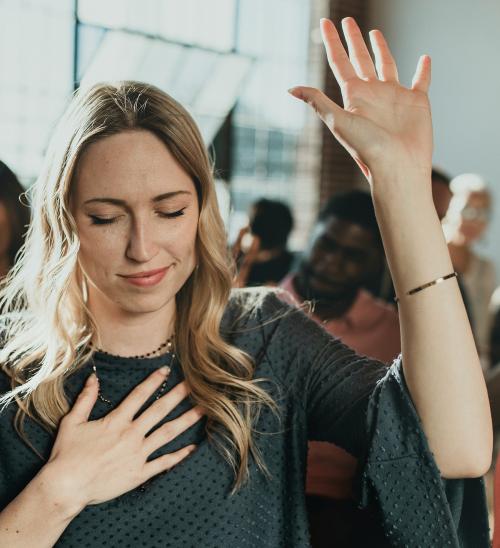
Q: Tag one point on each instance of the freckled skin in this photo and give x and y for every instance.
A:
(134, 167)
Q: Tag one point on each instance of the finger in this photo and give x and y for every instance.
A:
(171, 429)
(358, 52)
(253, 251)
(166, 462)
(242, 233)
(335, 52)
(158, 410)
(422, 78)
(141, 393)
(85, 402)
(347, 128)
(331, 114)
(384, 61)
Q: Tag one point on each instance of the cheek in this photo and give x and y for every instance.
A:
(181, 239)
(472, 227)
(98, 252)
(354, 270)
(316, 255)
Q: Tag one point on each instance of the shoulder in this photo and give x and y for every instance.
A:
(255, 305)
(253, 300)
(263, 317)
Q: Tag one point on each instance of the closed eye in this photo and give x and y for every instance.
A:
(102, 220)
(108, 220)
(173, 214)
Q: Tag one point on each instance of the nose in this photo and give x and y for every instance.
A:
(331, 263)
(334, 257)
(141, 246)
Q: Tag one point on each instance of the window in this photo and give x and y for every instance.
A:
(36, 80)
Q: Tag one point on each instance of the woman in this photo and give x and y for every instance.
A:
(130, 265)
(14, 218)
(465, 224)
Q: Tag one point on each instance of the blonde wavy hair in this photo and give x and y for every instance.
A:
(47, 324)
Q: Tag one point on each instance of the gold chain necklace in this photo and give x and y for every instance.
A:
(167, 344)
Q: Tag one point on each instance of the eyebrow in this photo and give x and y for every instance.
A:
(116, 201)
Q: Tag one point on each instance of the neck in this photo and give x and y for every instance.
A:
(125, 333)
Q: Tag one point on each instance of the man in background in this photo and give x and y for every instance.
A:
(345, 252)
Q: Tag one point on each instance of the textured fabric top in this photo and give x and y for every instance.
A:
(324, 392)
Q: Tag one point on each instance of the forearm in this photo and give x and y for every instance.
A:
(36, 517)
(440, 360)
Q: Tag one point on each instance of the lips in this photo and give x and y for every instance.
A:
(147, 278)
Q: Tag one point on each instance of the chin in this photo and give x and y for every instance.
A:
(145, 304)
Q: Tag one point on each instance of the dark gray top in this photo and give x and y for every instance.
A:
(324, 392)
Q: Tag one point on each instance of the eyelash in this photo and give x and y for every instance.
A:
(100, 221)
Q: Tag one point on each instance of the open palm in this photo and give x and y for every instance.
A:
(381, 118)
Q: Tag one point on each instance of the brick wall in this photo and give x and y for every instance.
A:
(338, 171)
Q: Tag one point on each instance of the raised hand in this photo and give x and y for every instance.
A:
(382, 122)
(99, 460)
(245, 258)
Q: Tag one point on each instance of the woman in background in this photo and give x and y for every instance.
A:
(465, 224)
(267, 260)
(14, 218)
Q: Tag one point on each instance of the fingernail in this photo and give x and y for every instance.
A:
(92, 379)
(165, 370)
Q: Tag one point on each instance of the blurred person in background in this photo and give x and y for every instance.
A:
(465, 224)
(344, 252)
(442, 195)
(14, 218)
(494, 334)
(493, 383)
(441, 192)
(265, 260)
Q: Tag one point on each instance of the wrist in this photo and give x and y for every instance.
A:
(406, 193)
(397, 169)
(59, 492)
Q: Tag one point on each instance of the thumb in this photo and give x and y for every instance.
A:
(86, 400)
(331, 114)
(355, 133)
